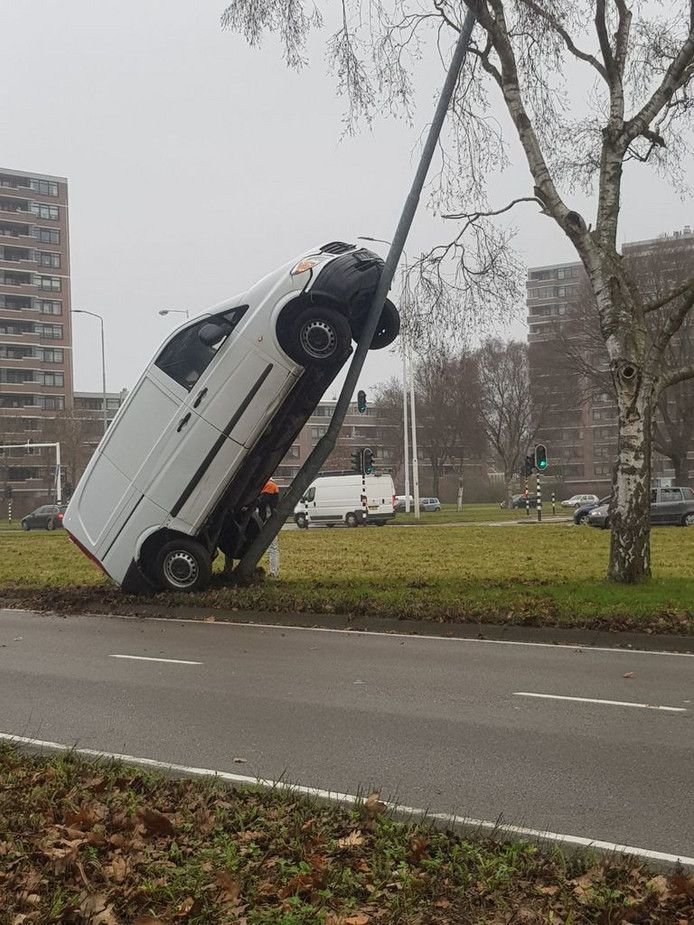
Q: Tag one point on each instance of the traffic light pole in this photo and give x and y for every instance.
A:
(538, 499)
(527, 498)
(272, 526)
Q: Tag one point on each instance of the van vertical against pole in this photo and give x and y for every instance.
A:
(246, 567)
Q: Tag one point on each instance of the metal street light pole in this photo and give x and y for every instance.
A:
(406, 377)
(82, 311)
(174, 311)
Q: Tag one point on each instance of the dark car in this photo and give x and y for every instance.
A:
(46, 517)
(518, 501)
(674, 506)
(581, 513)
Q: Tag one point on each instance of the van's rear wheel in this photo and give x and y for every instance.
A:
(318, 336)
(387, 329)
(183, 565)
(301, 521)
(352, 520)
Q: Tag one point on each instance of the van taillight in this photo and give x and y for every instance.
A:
(86, 552)
(394, 496)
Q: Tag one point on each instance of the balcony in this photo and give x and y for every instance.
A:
(11, 231)
(10, 206)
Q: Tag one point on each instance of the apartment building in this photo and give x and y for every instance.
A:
(578, 418)
(35, 328)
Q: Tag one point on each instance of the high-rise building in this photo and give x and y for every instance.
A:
(35, 328)
(578, 418)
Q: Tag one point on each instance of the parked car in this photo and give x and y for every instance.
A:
(336, 499)
(46, 517)
(582, 511)
(178, 473)
(578, 500)
(518, 501)
(400, 504)
(673, 506)
(429, 504)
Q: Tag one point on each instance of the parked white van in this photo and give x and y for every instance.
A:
(339, 499)
(179, 471)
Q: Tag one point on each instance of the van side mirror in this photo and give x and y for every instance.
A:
(212, 332)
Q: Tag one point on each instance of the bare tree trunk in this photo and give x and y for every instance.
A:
(460, 487)
(509, 491)
(630, 551)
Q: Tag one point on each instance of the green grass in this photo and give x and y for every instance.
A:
(104, 844)
(549, 574)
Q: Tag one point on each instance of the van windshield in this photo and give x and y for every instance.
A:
(190, 352)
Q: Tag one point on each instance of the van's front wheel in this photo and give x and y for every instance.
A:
(183, 565)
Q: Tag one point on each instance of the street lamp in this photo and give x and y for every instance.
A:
(174, 311)
(413, 415)
(82, 311)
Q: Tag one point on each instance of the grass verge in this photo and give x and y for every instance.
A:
(550, 574)
(110, 845)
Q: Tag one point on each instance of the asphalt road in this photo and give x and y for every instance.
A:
(443, 724)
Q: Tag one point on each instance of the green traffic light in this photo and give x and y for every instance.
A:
(542, 464)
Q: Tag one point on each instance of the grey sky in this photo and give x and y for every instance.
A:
(196, 165)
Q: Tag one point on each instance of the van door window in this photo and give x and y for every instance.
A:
(190, 352)
(310, 495)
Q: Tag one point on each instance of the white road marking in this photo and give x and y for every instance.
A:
(146, 658)
(610, 703)
(349, 798)
(413, 637)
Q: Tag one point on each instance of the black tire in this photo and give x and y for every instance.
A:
(380, 523)
(183, 565)
(25, 526)
(318, 336)
(351, 519)
(582, 520)
(330, 525)
(688, 520)
(387, 329)
(301, 521)
(50, 525)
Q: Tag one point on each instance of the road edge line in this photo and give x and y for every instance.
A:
(461, 824)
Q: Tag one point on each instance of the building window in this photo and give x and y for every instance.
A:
(47, 235)
(49, 355)
(294, 452)
(44, 211)
(49, 306)
(49, 282)
(45, 187)
(53, 379)
(49, 260)
(52, 402)
(318, 432)
(54, 331)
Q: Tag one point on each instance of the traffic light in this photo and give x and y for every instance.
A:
(528, 466)
(356, 457)
(368, 461)
(361, 401)
(541, 463)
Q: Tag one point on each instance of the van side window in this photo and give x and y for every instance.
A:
(310, 494)
(187, 356)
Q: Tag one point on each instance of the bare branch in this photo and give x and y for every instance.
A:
(685, 288)
(555, 23)
(474, 216)
(677, 375)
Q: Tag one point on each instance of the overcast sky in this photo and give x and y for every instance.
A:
(197, 165)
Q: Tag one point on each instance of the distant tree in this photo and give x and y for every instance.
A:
(509, 415)
(74, 432)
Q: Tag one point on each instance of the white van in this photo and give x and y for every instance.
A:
(339, 499)
(180, 469)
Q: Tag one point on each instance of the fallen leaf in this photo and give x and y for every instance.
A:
(156, 823)
(629, 674)
(418, 847)
(551, 890)
(240, 760)
(210, 619)
(189, 907)
(373, 805)
(353, 840)
(658, 885)
(359, 919)
(119, 869)
(97, 910)
(442, 904)
(231, 888)
(682, 886)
